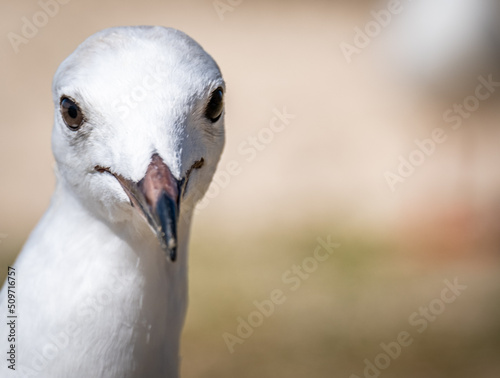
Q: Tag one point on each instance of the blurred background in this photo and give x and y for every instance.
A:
(361, 81)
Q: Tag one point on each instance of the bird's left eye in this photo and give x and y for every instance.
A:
(71, 113)
(215, 105)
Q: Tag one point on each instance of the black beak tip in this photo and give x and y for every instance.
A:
(167, 212)
(173, 254)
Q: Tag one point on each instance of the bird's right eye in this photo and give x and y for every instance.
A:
(215, 105)
(71, 113)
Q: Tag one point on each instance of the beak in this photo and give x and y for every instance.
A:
(157, 196)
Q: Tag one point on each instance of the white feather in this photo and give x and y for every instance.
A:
(96, 296)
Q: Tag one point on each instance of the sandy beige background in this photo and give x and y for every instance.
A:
(322, 175)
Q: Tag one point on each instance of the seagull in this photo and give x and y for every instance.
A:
(101, 283)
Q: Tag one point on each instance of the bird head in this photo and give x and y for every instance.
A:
(139, 126)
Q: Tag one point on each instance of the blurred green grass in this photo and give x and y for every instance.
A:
(360, 297)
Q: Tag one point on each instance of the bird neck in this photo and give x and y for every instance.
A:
(98, 256)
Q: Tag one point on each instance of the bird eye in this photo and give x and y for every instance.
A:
(71, 113)
(215, 105)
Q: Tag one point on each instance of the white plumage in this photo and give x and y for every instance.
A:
(97, 294)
